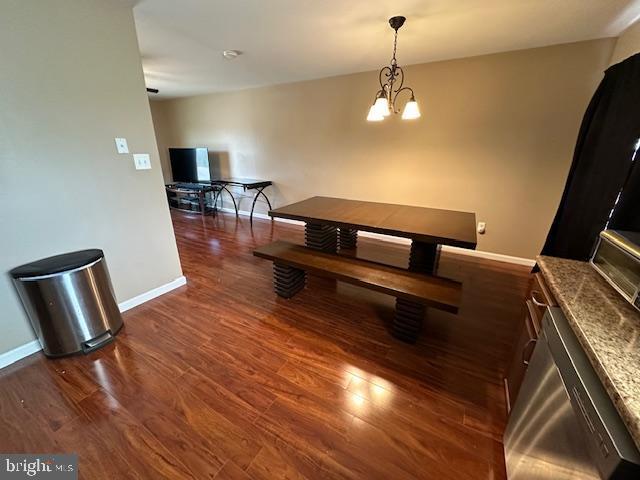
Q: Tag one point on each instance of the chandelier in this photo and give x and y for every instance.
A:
(391, 80)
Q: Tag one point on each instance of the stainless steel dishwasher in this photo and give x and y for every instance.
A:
(564, 425)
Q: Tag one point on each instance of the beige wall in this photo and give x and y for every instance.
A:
(627, 44)
(496, 137)
(71, 81)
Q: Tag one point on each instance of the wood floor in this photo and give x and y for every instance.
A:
(221, 379)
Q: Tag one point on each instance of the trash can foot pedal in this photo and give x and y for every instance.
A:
(97, 342)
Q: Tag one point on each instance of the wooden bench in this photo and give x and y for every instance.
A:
(413, 291)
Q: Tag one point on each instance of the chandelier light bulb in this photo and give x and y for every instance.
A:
(382, 106)
(373, 115)
(411, 110)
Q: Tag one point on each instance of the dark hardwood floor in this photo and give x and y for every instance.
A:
(221, 379)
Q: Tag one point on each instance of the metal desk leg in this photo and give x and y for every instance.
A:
(201, 202)
(219, 197)
(253, 206)
(216, 194)
(233, 199)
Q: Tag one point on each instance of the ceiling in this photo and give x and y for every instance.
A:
(181, 42)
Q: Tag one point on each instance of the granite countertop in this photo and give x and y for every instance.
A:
(608, 328)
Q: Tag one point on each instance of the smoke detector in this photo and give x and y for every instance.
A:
(231, 54)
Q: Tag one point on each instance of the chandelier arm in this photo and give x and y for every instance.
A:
(395, 97)
(390, 80)
(380, 76)
(401, 76)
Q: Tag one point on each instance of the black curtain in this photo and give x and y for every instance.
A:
(626, 215)
(602, 165)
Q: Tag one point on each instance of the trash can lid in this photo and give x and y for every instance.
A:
(57, 263)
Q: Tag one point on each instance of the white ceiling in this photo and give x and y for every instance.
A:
(181, 41)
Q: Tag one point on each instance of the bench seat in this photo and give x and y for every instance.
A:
(291, 261)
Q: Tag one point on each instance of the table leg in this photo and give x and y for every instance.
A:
(424, 257)
(201, 202)
(407, 323)
(233, 199)
(347, 238)
(215, 200)
(321, 237)
(255, 198)
(287, 281)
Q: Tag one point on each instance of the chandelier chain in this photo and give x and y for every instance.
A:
(395, 45)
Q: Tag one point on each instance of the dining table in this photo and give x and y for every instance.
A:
(331, 221)
(331, 228)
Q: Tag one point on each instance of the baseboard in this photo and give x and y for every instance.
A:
(18, 353)
(385, 238)
(151, 294)
(498, 257)
(245, 213)
(34, 346)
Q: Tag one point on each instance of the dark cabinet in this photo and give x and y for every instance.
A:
(521, 353)
(540, 295)
(538, 299)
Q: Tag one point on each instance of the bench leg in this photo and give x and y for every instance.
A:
(424, 257)
(407, 323)
(347, 238)
(287, 281)
(321, 237)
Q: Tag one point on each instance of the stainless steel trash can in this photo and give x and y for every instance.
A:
(69, 300)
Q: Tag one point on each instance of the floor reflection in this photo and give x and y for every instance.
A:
(368, 389)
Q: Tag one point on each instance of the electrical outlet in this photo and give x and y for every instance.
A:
(482, 227)
(121, 145)
(142, 161)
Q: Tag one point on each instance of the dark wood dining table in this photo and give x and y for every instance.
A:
(427, 228)
(332, 225)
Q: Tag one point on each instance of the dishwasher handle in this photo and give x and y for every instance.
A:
(525, 357)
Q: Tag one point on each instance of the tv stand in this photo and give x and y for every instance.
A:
(193, 197)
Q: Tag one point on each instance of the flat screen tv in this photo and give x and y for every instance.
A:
(190, 164)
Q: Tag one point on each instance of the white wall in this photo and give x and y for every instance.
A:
(71, 81)
(627, 44)
(496, 137)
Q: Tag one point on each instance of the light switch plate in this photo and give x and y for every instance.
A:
(121, 145)
(142, 161)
